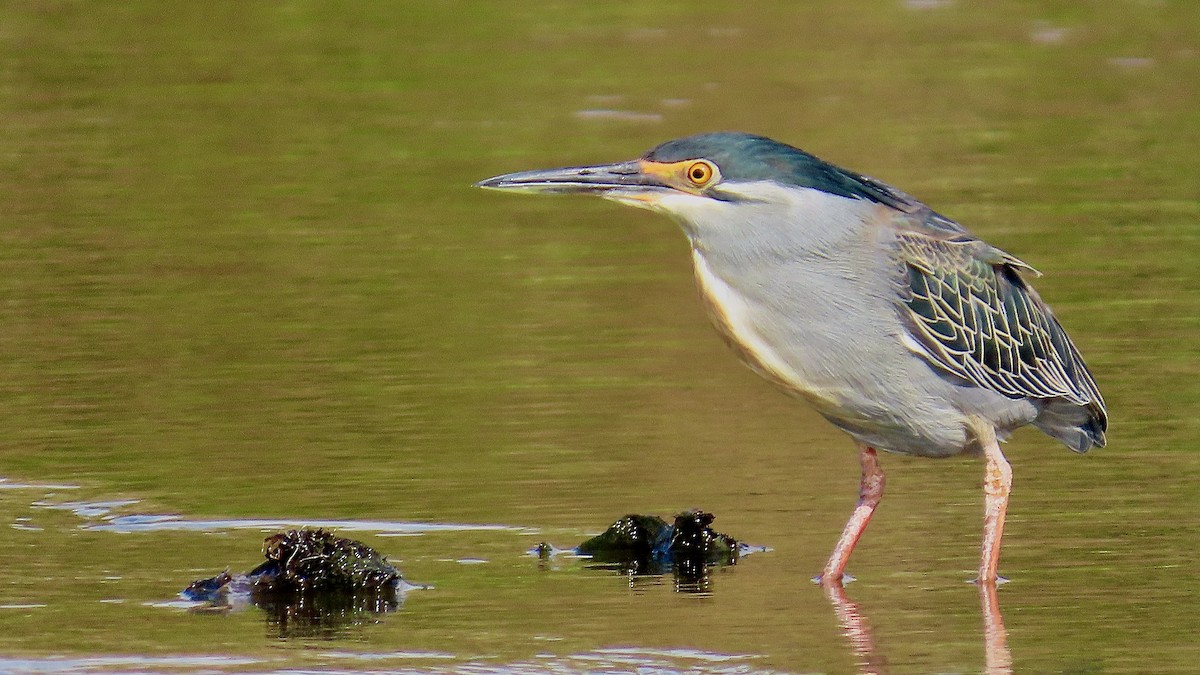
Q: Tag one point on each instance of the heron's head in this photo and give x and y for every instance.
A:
(712, 178)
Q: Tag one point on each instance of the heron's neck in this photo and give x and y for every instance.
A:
(798, 228)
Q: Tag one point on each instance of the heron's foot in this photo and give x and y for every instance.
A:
(999, 580)
(831, 580)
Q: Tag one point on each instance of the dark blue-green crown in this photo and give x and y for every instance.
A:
(746, 157)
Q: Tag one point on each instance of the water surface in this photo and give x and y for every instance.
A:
(244, 278)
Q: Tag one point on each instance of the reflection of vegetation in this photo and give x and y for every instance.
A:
(312, 583)
(639, 545)
(324, 613)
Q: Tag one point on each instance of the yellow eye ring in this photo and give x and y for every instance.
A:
(700, 173)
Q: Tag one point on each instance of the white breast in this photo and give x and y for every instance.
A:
(739, 321)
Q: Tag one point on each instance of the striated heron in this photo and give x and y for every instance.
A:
(894, 322)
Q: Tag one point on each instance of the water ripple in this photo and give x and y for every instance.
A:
(154, 523)
(102, 518)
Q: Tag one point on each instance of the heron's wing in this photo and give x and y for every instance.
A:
(973, 316)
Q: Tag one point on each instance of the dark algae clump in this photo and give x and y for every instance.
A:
(316, 560)
(692, 537)
(630, 537)
(311, 583)
(648, 545)
(306, 561)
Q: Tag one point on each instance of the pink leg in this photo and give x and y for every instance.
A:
(870, 491)
(997, 483)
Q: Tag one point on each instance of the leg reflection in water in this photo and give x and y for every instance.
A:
(856, 628)
(998, 660)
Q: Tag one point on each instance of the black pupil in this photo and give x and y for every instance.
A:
(698, 173)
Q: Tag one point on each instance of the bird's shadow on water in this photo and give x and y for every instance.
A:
(856, 628)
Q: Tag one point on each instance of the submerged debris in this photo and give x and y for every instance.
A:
(312, 581)
(647, 545)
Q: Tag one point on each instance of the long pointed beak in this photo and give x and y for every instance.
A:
(623, 177)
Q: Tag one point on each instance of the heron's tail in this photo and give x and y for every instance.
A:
(1079, 427)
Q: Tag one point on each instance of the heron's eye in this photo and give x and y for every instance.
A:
(700, 173)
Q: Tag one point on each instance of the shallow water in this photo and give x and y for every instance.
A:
(245, 283)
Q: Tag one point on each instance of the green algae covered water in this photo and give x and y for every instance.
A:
(245, 284)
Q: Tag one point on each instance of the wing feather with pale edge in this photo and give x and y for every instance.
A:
(977, 319)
